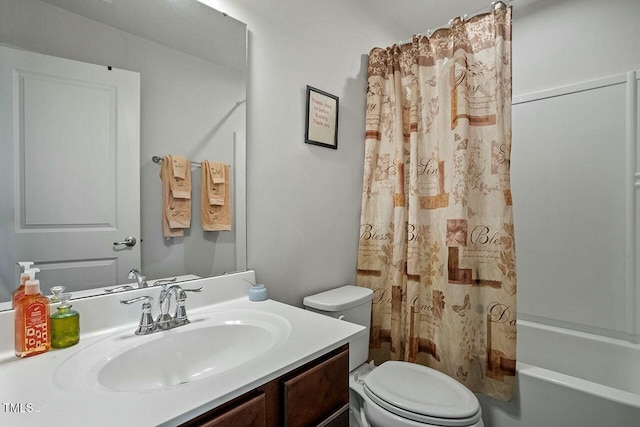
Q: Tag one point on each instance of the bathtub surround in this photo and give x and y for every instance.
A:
(577, 334)
(437, 239)
(570, 378)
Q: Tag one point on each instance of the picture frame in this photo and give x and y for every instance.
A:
(321, 125)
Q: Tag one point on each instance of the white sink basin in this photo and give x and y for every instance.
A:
(213, 343)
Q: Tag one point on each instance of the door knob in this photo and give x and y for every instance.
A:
(128, 241)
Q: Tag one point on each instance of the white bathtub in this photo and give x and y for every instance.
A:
(569, 379)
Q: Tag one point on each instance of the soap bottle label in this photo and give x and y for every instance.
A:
(36, 333)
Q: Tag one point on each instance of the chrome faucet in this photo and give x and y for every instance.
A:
(164, 321)
(135, 274)
(147, 325)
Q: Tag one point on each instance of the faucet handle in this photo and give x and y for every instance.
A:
(145, 298)
(180, 317)
(147, 325)
(164, 282)
(135, 274)
(119, 289)
(181, 292)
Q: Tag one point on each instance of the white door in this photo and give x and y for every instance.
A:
(69, 170)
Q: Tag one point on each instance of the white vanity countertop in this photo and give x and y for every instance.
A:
(28, 384)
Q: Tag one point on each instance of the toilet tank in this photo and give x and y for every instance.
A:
(350, 303)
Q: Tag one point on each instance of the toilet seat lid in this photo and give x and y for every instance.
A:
(422, 394)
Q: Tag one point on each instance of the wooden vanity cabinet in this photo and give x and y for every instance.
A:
(316, 394)
(251, 412)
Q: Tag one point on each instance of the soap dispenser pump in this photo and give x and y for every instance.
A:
(24, 276)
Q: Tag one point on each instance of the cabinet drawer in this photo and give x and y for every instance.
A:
(250, 413)
(340, 418)
(312, 393)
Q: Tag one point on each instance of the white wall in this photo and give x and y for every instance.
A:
(559, 42)
(304, 200)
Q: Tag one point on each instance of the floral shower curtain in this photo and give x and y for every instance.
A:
(437, 238)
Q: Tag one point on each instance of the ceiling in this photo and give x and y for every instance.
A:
(419, 16)
(178, 24)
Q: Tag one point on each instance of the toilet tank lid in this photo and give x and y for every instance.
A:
(338, 299)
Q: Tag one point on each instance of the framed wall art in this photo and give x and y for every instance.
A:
(322, 118)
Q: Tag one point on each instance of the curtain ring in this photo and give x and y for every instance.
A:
(498, 5)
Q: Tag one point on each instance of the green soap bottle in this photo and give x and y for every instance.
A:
(65, 325)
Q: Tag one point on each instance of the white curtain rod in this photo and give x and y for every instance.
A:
(464, 17)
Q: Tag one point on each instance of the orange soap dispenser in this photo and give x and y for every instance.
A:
(32, 324)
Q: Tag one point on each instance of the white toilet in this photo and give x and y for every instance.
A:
(394, 393)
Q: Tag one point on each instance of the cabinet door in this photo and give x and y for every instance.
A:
(315, 395)
(250, 413)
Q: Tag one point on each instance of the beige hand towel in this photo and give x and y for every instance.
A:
(181, 177)
(215, 216)
(176, 212)
(217, 187)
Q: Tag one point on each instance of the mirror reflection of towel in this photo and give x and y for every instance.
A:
(216, 184)
(176, 196)
(180, 181)
(215, 209)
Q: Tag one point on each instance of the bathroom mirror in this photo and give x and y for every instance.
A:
(191, 61)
